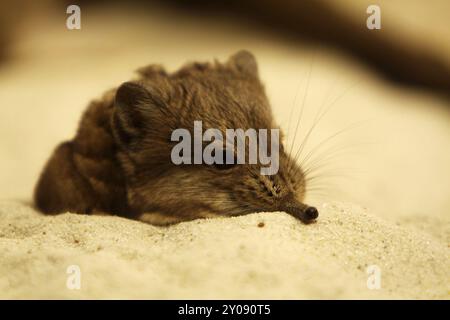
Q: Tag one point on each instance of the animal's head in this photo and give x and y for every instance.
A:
(221, 96)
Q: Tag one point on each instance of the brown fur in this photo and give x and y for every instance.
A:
(119, 161)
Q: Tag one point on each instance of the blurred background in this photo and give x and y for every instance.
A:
(382, 143)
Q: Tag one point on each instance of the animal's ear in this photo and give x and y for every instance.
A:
(130, 98)
(130, 94)
(134, 107)
(244, 62)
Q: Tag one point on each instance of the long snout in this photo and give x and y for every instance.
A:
(300, 211)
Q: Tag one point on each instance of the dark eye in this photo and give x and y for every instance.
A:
(224, 166)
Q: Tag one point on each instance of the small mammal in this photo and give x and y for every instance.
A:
(119, 160)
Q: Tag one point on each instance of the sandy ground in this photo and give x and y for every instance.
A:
(393, 163)
(219, 258)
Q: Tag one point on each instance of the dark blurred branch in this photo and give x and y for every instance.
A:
(315, 21)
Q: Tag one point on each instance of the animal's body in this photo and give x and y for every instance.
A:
(119, 161)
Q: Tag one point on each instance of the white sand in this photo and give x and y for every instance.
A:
(218, 258)
(401, 175)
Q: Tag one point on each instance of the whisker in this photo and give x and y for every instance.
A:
(305, 95)
(319, 118)
(333, 136)
(319, 161)
(292, 110)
